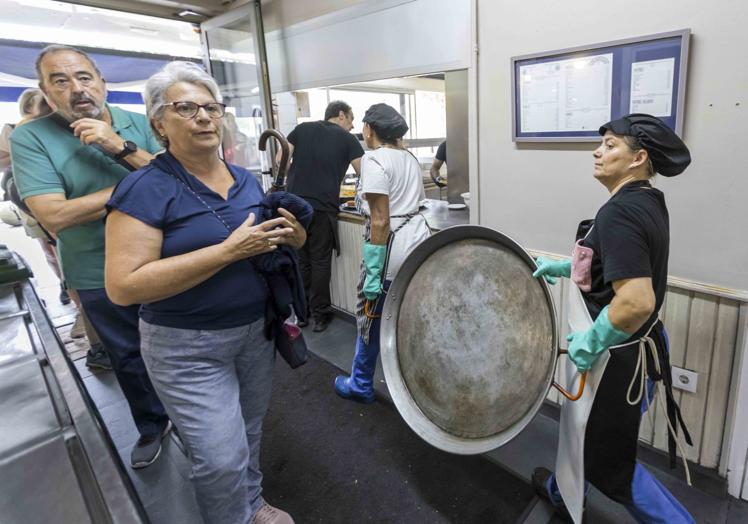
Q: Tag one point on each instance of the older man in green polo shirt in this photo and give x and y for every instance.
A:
(65, 166)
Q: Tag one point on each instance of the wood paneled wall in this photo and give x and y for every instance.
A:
(703, 335)
(346, 267)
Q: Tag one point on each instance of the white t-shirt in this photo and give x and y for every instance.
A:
(397, 174)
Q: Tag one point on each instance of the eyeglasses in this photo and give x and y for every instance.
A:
(190, 109)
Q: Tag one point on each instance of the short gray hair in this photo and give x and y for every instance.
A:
(173, 72)
(58, 48)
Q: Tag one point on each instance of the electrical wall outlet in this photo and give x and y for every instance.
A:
(685, 379)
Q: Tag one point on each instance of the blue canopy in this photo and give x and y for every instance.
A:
(19, 59)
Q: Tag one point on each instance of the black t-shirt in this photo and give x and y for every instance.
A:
(630, 239)
(441, 152)
(322, 152)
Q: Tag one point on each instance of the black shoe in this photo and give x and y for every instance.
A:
(97, 358)
(148, 448)
(64, 297)
(539, 482)
(303, 324)
(322, 323)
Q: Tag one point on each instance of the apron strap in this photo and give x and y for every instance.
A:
(407, 217)
(371, 306)
(391, 239)
(665, 398)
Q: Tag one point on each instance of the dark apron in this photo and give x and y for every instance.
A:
(612, 434)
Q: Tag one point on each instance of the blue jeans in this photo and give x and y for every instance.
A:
(215, 385)
(117, 328)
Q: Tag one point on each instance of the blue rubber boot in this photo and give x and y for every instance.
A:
(360, 385)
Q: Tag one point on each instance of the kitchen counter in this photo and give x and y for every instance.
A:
(436, 213)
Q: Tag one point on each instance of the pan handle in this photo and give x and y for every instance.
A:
(279, 183)
(582, 383)
(369, 307)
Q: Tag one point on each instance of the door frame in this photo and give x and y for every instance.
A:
(252, 11)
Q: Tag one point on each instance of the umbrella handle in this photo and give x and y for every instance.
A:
(279, 183)
(582, 383)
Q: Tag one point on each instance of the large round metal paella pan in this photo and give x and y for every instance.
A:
(468, 339)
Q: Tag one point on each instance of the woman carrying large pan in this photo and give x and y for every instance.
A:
(619, 265)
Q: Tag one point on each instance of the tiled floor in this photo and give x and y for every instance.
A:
(164, 487)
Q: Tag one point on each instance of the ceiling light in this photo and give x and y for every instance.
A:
(143, 30)
(187, 12)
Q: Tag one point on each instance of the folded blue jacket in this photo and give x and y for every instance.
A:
(281, 267)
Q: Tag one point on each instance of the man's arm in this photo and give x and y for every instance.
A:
(356, 163)
(92, 131)
(435, 167)
(43, 191)
(56, 213)
(140, 158)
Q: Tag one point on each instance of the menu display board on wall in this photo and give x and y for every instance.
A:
(566, 95)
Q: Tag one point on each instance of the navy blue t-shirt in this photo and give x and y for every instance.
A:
(234, 296)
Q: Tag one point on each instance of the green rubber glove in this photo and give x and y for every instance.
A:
(586, 346)
(549, 269)
(374, 256)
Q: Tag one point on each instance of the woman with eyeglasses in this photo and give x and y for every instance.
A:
(181, 235)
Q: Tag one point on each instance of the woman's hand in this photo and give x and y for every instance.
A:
(298, 237)
(249, 240)
(549, 269)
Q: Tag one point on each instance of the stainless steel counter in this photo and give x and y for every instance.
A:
(436, 213)
(56, 460)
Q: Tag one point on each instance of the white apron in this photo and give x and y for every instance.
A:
(574, 415)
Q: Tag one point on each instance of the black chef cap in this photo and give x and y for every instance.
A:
(667, 152)
(387, 123)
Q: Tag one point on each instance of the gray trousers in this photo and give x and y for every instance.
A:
(215, 386)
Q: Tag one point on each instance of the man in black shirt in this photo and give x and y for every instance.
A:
(436, 165)
(321, 152)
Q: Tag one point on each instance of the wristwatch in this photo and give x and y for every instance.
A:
(129, 148)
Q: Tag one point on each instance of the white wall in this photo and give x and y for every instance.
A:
(278, 14)
(538, 193)
(368, 41)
